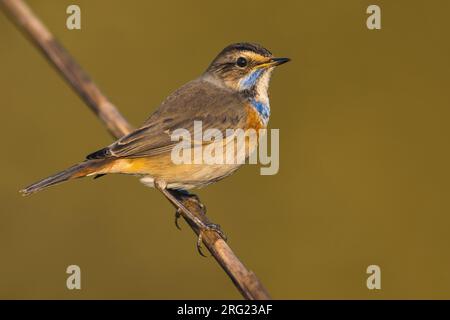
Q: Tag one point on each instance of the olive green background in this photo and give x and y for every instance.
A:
(364, 158)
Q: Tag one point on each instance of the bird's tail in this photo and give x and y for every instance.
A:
(82, 169)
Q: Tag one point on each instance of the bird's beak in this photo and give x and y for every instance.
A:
(278, 61)
(273, 62)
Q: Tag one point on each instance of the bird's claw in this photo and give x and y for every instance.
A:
(209, 227)
(177, 218)
(193, 198)
(196, 200)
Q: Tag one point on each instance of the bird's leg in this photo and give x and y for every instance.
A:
(209, 227)
(196, 200)
(162, 186)
(202, 225)
(191, 197)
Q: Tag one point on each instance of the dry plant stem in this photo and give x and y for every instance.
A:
(21, 14)
(245, 281)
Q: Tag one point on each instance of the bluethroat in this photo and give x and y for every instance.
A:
(231, 94)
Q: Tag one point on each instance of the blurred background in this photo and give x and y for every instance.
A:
(364, 178)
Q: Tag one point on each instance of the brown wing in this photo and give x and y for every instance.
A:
(197, 100)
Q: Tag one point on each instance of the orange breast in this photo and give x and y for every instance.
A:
(253, 119)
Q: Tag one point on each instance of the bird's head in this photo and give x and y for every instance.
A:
(244, 67)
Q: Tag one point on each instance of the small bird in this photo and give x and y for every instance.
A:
(231, 94)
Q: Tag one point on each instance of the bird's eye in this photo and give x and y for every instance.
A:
(241, 62)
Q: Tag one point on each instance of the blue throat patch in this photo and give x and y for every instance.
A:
(249, 82)
(251, 79)
(262, 108)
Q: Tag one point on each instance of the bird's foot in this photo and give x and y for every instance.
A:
(200, 222)
(193, 198)
(209, 227)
